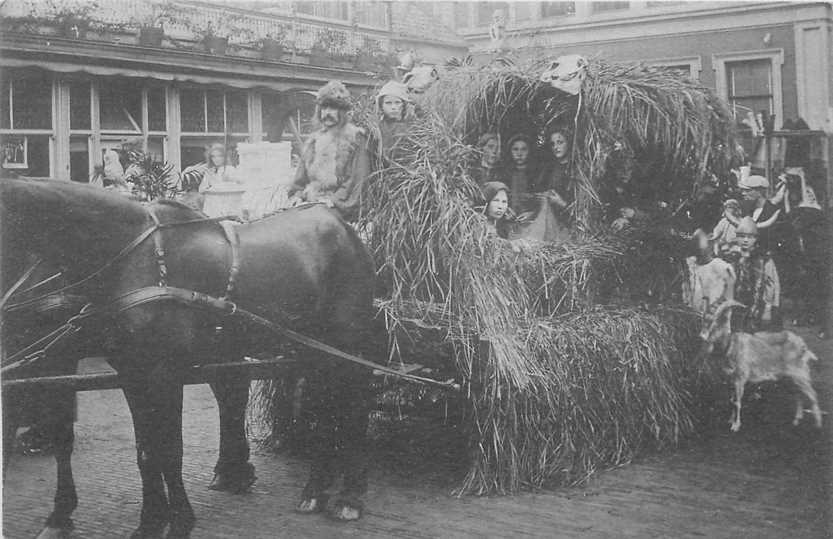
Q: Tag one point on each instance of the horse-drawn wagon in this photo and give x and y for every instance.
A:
(571, 356)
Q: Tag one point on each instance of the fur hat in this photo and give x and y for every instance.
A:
(334, 94)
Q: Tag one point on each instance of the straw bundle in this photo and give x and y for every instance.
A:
(556, 386)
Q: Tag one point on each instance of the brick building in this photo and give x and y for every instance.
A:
(773, 56)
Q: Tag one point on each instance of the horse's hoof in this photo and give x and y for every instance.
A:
(344, 509)
(236, 483)
(54, 533)
(308, 506)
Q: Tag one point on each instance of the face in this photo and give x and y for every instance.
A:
(520, 152)
(392, 107)
(746, 242)
(490, 152)
(734, 211)
(329, 116)
(559, 145)
(751, 194)
(218, 158)
(497, 206)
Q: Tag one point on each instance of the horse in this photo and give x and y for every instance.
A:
(305, 267)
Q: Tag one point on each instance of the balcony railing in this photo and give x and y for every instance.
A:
(191, 21)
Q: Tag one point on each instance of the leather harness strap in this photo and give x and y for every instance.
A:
(230, 229)
(159, 248)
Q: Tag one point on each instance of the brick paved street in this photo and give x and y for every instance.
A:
(770, 480)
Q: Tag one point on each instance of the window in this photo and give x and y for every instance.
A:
(461, 15)
(120, 105)
(688, 66)
(214, 110)
(486, 11)
(750, 82)
(601, 7)
(157, 116)
(26, 121)
(525, 11)
(371, 13)
(557, 9)
(328, 10)
(79, 105)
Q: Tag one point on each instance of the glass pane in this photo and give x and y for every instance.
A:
(192, 110)
(27, 155)
(371, 13)
(305, 117)
(214, 108)
(120, 105)
(599, 7)
(156, 109)
(79, 105)
(156, 148)
(5, 88)
(743, 105)
(238, 111)
(192, 150)
(524, 11)
(486, 11)
(749, 78)
(79, 159)
(557, 9)
(461, 15)
(330, 10)
(32, 101)
(270, 115)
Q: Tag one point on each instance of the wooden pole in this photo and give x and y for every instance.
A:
(255, 370)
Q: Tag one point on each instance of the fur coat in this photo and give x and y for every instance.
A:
(333, 168)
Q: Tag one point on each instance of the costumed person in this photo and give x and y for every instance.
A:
(815, 248)
(711, 281)
(392, 103)
(519, 175)
(724, 231)
(219, 183)
(556, 192)
(335, 161)
(487, 171)
(496, 209)
(764, 211)
(758, 285)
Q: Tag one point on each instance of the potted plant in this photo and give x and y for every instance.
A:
(273, 45)
(150, 179)
(328, 46)
(151, 25)
(211, 34)
(71, 17)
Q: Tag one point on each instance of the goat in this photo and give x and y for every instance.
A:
(761, 356)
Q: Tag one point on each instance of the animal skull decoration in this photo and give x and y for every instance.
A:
(566, 73)
(421, 78)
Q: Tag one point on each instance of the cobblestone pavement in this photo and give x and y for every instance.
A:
(769, 480)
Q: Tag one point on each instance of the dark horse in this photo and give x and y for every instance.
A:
(304, 267)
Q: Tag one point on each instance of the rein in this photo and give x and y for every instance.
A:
(23, 278)
(163, 292)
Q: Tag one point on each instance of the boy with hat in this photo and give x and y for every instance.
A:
(392, 101)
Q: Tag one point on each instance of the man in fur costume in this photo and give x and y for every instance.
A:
(392, 103)
(334, 163)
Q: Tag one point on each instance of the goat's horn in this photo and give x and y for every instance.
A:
(728, 305)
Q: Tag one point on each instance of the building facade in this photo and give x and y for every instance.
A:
(78, 78)
(758, 56)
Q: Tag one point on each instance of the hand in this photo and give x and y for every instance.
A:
(555, 198)
(525, 217)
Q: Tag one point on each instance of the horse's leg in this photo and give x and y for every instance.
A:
(155, 510)
(322, 411)
(168, 400)
(352, 394)
(233, 472)
(60, 432)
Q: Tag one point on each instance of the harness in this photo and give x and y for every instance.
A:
(162, 292)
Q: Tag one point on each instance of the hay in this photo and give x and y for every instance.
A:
(556, 387)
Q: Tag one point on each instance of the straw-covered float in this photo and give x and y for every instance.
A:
(574, 356)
